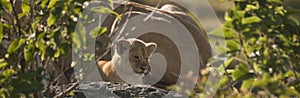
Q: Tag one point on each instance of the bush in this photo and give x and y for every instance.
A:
(263, 44)
(34, 33)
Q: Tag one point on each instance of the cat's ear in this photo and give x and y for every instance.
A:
(122, 46)
(136, 44)
(151, 47)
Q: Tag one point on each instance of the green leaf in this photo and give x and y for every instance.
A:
(34, 25)
(44, 3)
(52, 3)
(51, 20)
(232, 45)
(240, 71)
(291, 92)
(25, 9)
(216, 33)
(15, 45)
(228, 24)
(40, 45)
(3, 64)
(221, 50)
(8, 72)
(227, 62)
(253, 19)
(252, 48)
(289, 74)
(241, 13)
(247, 84)
(88, 57)
(223, 81)
(229, 16)
(222, 33)
(1, 32)
(7, 25)
(262, 82)
(105, 10)
(251, 7)
(266, 52)
(275, 1)
(4, 93)
(98, 31)
(6, 5)
(240, 0)
(229, 34)
(79, 37)
(28, 53)
(52, 33)
(56, 54)
(72, 93)
(262, 39)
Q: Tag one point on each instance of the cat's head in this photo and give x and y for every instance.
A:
(137, 53)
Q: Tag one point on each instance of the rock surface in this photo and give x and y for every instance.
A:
(111, 90)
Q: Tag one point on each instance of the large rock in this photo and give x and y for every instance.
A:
(110, 90)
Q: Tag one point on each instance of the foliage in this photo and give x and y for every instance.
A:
(36, 38)
(263, 42)
(32, 32)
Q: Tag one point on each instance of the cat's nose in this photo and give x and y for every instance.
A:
(145, 70)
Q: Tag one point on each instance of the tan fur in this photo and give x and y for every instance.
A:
(107, 72)
(139, 53)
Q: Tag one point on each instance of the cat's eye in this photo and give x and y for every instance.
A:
(136, 58)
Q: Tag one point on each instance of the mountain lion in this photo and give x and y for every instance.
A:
(167, 48)
(128, 52)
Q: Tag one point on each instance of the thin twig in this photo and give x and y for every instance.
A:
(229, 78)
(31, 15)
(61, 74)
(13, 25)
(17, 18)
(74, 85)
(50, 80)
